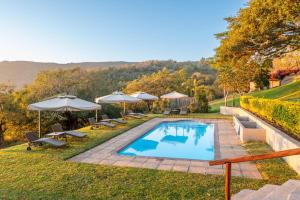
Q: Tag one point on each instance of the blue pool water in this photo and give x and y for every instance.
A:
(179, 139)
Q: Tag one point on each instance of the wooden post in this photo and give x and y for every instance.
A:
(229, 161)
(40, 124)
(227, 180)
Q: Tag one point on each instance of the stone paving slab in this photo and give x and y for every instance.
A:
(227, 144)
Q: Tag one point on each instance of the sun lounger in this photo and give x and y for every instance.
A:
(167, 111)
(130, 112)
(57, 128)
(130, 115)
(95, 124)
(183, 111)
(105, 118)
(33, 139)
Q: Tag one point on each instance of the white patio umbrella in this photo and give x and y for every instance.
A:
(117, 97)
(174, 95)
(145, 96)
(63, 103)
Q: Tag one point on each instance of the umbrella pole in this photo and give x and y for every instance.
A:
(39, 124)
(149, 106)
(124, 108)
(96, 115)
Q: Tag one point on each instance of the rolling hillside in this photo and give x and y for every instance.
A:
(20, 73)
(289, 92)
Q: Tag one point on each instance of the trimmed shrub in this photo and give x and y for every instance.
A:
(281, 113)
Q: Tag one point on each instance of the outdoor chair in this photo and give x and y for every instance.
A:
(130, 112)
(105, 118)
(34, 140)
(183, 111)
(95, 124)
(167, 111)
(57, 128)
(124, 116)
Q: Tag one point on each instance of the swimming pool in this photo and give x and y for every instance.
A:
(177, 139)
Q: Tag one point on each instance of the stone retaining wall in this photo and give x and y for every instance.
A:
(277, 139)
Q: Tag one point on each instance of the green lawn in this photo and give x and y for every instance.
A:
(231, 101)
(275, 170)
(278, 92)
(43, 173)
(289, 92)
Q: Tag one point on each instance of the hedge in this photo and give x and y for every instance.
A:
(281, 113)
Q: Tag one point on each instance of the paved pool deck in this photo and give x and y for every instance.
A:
(227, 145)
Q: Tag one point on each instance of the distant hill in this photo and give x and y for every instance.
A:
(20, 73)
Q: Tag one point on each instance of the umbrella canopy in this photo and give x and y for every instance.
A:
(174, 95)
(117, 97)
(64, 103)
(144, 96)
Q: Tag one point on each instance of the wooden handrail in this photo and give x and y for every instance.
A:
(229, 161)
(278, 154)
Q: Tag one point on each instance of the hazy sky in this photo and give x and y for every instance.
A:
(111, 30)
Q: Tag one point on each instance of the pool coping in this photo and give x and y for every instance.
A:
(225, 140)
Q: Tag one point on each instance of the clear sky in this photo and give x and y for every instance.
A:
(111, 30)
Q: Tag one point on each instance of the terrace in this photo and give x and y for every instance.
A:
(54, 176)
(226, 145)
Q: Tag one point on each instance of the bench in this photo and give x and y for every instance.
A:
(248, 130)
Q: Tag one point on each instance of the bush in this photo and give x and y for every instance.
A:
(111, 110)
(156, 107)
(201, 98)
(193, 107)
(281, 113)
(138, 107)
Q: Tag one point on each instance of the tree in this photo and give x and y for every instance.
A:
(158, 83)
(289, 61)
(201, 98)
(262, 72)
(265, 29)
(5, 103)
(53, 82)
(224, 80)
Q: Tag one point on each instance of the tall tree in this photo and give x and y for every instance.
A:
(5, 103)
(263, 30)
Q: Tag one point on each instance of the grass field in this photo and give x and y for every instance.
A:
(279, 92)
(275, 170)
(231, 101)
(44, 173)
(289, 92)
